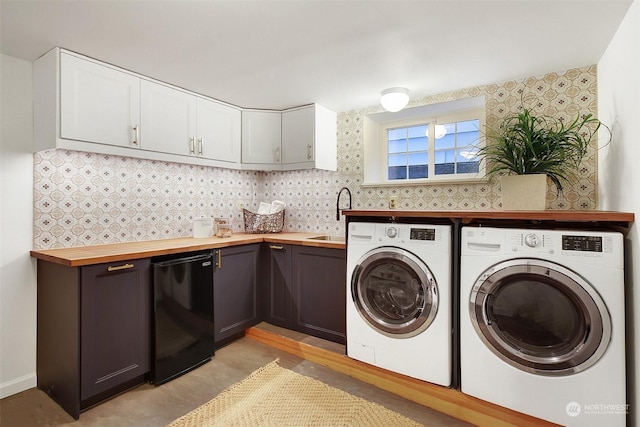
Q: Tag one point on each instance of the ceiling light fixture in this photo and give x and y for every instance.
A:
(394, 99)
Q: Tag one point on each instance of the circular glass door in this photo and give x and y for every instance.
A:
(394, 292)
(538, 317)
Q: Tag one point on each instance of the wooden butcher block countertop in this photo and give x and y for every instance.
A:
(97, 254)
(624, 218)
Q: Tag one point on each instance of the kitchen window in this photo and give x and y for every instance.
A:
(420, 148)
(434, 150)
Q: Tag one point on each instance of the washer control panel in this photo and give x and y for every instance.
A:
(392, 232)
(408, 233)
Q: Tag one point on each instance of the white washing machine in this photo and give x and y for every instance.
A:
(542, 326)
(399, 298)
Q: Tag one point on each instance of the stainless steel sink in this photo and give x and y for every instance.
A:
(328, 238)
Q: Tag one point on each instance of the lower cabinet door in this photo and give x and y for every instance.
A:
(276, 291)
(115, 325)
(319, 292)
(235, 299)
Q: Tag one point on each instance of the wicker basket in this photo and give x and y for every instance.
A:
(259, 223)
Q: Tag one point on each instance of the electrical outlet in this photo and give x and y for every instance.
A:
(392, 203)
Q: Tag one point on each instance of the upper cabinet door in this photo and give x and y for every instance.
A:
(168, 119)
(261, 136)
(309, 138)
(219, 131)
(98, 103)
(325, 138)
(298, 135)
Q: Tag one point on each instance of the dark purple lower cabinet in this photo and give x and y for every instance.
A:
(94, 322)
(235, 290)
(93, 331)
(319, 292)
(304, 289)
(276, 293)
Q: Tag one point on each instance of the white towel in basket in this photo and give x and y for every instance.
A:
(264, 208)
(277, 206)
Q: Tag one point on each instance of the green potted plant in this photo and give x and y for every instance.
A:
(530, 147)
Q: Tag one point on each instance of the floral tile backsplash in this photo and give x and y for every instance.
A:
(87, 199)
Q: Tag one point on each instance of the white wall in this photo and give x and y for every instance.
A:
(17, 269)
(619, 170)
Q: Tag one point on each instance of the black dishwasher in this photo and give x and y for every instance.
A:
(183, 336)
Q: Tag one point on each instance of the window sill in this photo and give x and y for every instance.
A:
(407, 183)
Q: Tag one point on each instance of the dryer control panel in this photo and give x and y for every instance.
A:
(582, 243)
(531, 242)
(591, 246)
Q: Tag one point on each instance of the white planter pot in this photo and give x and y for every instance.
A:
(524, 192)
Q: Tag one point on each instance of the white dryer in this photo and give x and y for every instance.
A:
(399, 298)
(542, 326)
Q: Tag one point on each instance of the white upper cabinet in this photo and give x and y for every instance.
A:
(168, 119)
(178, 122)
(261, 137)
(98, 104)
(298, 138)
(309, 138)
(218, 131)
(86, 105)
(297, 135)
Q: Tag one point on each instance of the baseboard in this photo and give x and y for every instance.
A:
(448, 401)
(18, 385)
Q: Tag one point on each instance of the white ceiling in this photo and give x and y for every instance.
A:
(340, 54)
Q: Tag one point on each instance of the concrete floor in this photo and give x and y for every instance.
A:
(152, 406)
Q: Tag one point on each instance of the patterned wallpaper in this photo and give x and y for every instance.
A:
(86, 199)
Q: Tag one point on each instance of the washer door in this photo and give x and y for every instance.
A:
(539, 317)
(394, 292)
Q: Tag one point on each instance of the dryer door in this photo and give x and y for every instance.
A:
(394, 292)
(540, 317)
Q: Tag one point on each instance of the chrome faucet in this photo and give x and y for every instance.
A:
(338, 202)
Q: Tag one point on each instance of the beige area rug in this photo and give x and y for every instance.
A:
(278, 397)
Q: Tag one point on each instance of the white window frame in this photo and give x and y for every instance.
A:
(376, 145)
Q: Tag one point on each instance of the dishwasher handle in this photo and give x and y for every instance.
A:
(193, 258)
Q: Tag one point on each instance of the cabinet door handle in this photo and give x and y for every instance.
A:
(276, 247)
(219, 258)
(308, 151)
(135, 135)
(200, 145)
(120, 267)
(278, 155)
(192, 145)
